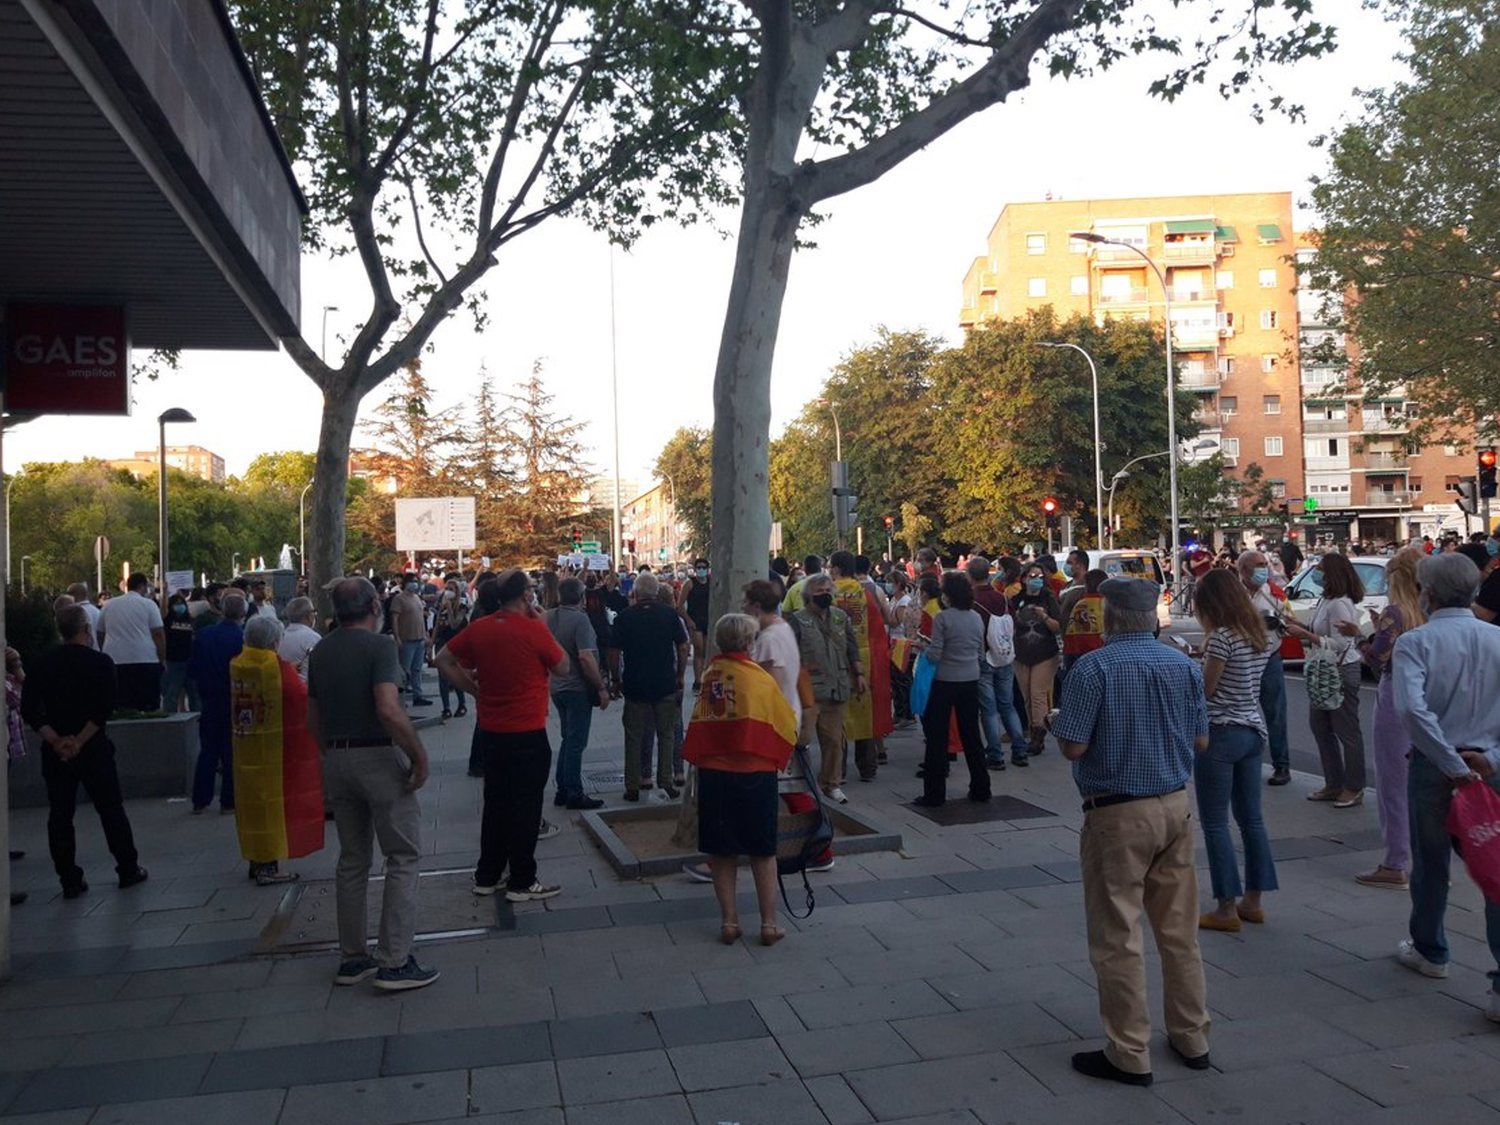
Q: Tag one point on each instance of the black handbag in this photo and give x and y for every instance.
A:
(801, 836)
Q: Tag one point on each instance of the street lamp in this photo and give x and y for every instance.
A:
(1124, 473)
(838, 436)
(323, 349)
(234, 565)
(1098, 443)
(1166, 296)
(24, 560)
(174, 414)
(302, 528)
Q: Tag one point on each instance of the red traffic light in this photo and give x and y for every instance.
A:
(1049, 505)
(1487, 458)
(889, 522)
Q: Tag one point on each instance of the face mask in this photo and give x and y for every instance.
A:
(1260, 576)
(822, 601)
(179, 611)
(702, 573)
(1492, 547)
(1034, 584)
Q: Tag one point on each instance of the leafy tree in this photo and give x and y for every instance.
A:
(868, 84)
(482, 467)
(285, 472)
(1016, 421)
(1409, 249)
(1205, 493)
(57, 511)
(799, 488)
(550, 475)
(411, 442)
(914, 528)
(684, 461)
(431, 133)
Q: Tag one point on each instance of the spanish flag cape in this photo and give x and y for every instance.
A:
(868, 715)
(278, 779)
(1084, 630)
(741, 722)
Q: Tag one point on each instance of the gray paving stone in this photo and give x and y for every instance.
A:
(373, 1020)
(859, 1045)
(1114, 1106)
(1449, 1111)
(154, 1042)
(1405, 1020)
(969, 1082)
(1413, 1075)
(1271, 953)
(590, 998)
(1304, 847)
(773, 1103)
(456, 1049)
(904, 965)
(669, 910)
(530, 1085)
(709, 1023)
(565, 921)
(612, 1034)
(891, 890)
(778, 1015)
(1037, 982)
(39, 1054)
(80, 1019)
(57, 1117)
(950, 1117)
(56, 993)
(549, 1115)
(1289, 1093)
(1383, 978)
(1064, 870)
(263, 1001)
(1248, 997)
(302, 1065)
(435, 1010)
(607, 1078)
(249, 1108)
(670, 1110)
(981, 1030)
(1268, 1041)
(839, 1103)
(934, 933)
(788, 978)
(867, 1003)
(379, 1101)
(69, 1087)
(998, 879)
(711, 1066)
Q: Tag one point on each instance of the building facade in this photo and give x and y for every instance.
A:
(652, 532)
(1246, 342)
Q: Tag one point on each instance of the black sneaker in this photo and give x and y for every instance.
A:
(408, 976)
(560, 799)
(1192, 1062)
(1281, 775)
(75, 890)
(994, 761)
(355, 970)
(585, 803)
(420, 702)
(1020, 760)
(1096, 1065)
(134, 879)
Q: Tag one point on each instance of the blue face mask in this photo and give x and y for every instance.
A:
(1034, 584)
(1492, 547)
(1260, 576)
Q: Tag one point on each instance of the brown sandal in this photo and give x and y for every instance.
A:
(770, 935)
(729, 933)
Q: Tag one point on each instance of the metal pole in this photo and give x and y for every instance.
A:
(838, 435)
(24, 559)
(614, 386)
(1098, 440)
(1166, 296)
(161, 512)
(302, 528)
(8, 482)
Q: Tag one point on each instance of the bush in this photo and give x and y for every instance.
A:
(30, 627)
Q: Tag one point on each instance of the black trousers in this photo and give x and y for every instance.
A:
(138, 686)
(516, 767)
(94, 769)
(950, 696)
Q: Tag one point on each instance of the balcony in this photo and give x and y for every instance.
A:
(1107, 254)
(1193, 296)
(1209, 419)
(1125, 297)
(1200, 253)
(1384, 462)
(1327, 464)
(1205, 380)
(1195, 339)
(989, 281)
(1379, 498)
(1385, 423)
(968, 316)
(1325, 426)
(1320, 377)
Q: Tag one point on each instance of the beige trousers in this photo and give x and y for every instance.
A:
(1139, 856)
(826, 721)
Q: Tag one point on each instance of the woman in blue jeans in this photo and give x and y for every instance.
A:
(1227, 774)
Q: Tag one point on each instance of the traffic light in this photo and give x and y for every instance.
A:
(577, 538)
(1468, 495)
(630, 546)
(890, 523)
(844, 499)
(1049, 511)
(1486, 474)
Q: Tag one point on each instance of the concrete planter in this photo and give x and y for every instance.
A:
(155, 758)
(853, 834)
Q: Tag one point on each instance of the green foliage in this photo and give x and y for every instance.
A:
(30, 625)
(685, 461)
(1409, 250)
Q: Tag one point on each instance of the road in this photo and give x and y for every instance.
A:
(1299, 734)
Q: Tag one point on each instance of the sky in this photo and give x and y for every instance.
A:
(893, 253)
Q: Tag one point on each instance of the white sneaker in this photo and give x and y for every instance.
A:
(837, 794)
(533, 893)
(827, 865)
(1407, 954)
(1492, 1012)
(547, 830)
(697, 872)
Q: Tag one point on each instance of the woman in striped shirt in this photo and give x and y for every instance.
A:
(1227, 774)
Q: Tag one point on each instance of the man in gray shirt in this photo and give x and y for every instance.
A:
(355, 714)
(576, 691)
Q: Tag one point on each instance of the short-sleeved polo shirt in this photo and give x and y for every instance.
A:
(511, 655)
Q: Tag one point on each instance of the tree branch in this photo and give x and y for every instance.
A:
(417, 95)
(1006, 71)
(846, 28)
(948, 33)
(416, 221)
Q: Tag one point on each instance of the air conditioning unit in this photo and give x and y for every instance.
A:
(1226, 330)
(1226, 249)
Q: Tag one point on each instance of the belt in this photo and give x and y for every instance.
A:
(355, 743)
(1105, 800)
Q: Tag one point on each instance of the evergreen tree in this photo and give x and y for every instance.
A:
(551, 477)
(412, 443)
(482, 467)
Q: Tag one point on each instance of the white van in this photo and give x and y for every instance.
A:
(1127, 563)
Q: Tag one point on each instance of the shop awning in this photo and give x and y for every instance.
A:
(1190, 226)
(1268, 232)
(1226, 234)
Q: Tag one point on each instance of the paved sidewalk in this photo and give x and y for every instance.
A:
(945, 984)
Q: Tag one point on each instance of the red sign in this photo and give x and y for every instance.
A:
(66, 359)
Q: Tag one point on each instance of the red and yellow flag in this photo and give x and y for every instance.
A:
(741, 722)
(278, 779)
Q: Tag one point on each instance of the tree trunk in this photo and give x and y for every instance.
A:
(330, 494)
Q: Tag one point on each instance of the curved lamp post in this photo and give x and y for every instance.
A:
(1124, 473)
(1098, 443)
(175, 414)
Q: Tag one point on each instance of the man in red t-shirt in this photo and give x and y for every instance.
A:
(503, 660)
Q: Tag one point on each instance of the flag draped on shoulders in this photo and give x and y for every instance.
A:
(868, 715)
(278, 780)
(741, 722)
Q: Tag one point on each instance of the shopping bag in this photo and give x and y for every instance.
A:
(1474, 823)
(1323, 678)
(804, 831)
(921, 684)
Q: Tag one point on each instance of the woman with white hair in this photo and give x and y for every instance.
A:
(278, 779)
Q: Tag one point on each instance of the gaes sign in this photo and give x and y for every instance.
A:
(66, 359)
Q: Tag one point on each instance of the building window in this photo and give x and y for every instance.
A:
(1268, 363)
(1229, 404)
(1268, 279)
(1036, 287)
(1414, 484)
(1450, 450)
(1224, 279)
(1333, 447)
(1036, 244)
(1271, 404)
(1080, 285)
(1230, 446)
(1077, 246)
(1273, 446)
(1451, 482)
(1226, 365)
(1269, 319)
(1278, 489)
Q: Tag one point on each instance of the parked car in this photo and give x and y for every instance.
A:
(1127, 563)
(1306, 589)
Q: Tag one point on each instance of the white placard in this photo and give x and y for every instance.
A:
(435, 523)
(179, 580)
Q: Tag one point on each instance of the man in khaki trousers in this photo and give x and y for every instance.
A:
(830, 657)
(1132, 716)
